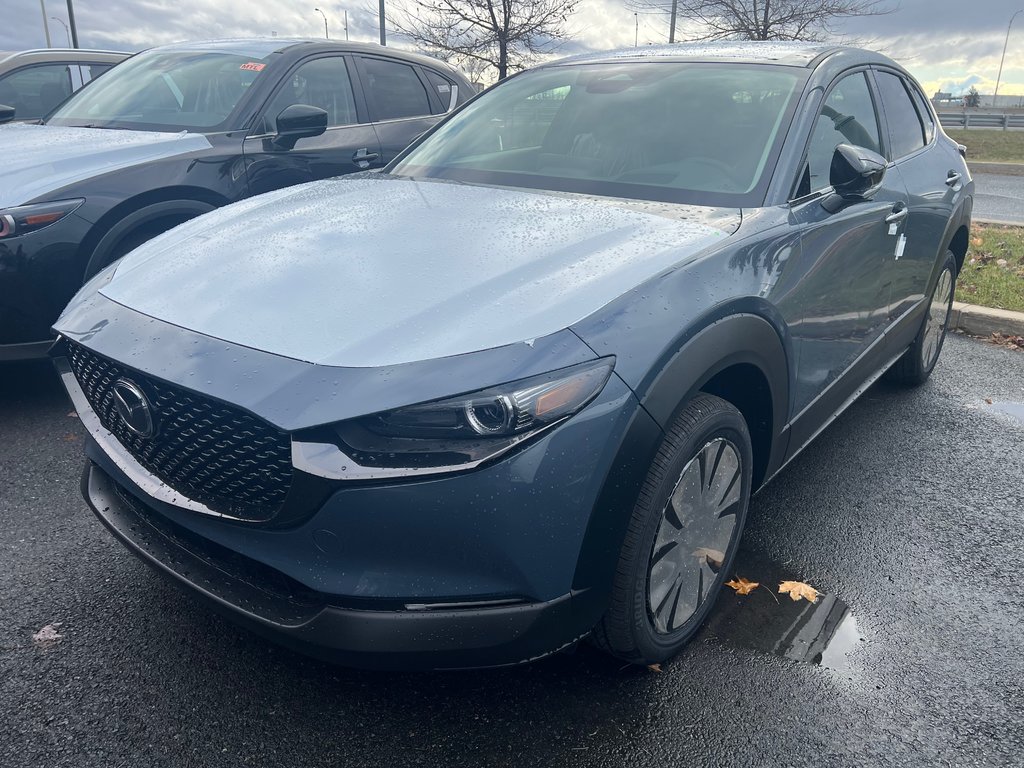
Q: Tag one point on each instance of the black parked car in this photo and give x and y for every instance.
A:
(180, 130)
(623, 292)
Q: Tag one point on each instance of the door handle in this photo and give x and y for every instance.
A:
(899, 213)
(952, 179)
(364, 156)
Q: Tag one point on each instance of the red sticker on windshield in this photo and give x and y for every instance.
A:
(253, 66)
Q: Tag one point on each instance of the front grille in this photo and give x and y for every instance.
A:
(219, 456)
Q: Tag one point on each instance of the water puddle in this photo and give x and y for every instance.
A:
(1016, 410)
(824, 632)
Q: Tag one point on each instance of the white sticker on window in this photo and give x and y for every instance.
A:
(894, 228)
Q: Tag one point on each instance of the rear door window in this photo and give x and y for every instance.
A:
(92, 71)
(395, 90)
(906, 133)
(443, 87)
(924, 112)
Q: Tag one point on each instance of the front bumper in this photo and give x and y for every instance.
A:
(476, 568)
(278, 608)
(39, 273)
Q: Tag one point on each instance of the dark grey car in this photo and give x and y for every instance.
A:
(517, 389)
(179, 130)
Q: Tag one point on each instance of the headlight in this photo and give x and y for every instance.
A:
(452, 434)
(29, 218)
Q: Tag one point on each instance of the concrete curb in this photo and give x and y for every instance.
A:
(999, 222)
(984, 321)
(1005, 169)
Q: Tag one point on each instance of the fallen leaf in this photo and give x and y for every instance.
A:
(712, 556)
(654, 667)
(48, 634)
(742, 586)
(1007, 340)
(988, 401)
(798, 590)
(73, 415)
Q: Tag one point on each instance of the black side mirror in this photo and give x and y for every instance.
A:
(299, 121)
(6, 114)
(855, 175)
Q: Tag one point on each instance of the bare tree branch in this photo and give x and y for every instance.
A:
(764, 19)
(504, 34)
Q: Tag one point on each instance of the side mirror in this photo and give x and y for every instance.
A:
(6, 113)
(855, 175)
(299, 121)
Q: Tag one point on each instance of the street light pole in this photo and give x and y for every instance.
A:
(346, 26)
(383, 34)
(66, 30)
(1001, 60)
(71, 23)
(46, 27)
(636, 29)
(327, 36)
(671, 24)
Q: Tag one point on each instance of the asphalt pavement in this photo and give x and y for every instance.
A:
(907, 514)
(999, 197)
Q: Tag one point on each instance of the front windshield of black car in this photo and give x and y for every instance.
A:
(670, 131)
(185, 90)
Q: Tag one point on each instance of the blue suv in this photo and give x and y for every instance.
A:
(516, 389)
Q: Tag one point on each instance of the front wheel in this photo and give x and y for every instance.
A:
(682, 536)
(919, 360)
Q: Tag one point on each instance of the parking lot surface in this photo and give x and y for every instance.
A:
(907, 514)
(997, 197)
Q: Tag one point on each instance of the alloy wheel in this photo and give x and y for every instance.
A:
(696, 530)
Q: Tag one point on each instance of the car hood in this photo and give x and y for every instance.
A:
(40, 159)
(365, 272)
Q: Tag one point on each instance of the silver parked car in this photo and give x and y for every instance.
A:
(35, 82)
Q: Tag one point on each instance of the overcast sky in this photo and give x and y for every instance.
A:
(948, 45)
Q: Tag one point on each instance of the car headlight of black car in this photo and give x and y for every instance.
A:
(30, 218)
(451, 434)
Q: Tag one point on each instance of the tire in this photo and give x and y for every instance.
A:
(662, 593)
(918, 362)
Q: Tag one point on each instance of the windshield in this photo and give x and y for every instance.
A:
(676, 132)
(164, 91)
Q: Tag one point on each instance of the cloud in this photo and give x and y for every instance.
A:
(939, 41)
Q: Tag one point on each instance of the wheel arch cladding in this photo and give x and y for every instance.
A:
(958, 245)
(740, 358)
(130, 215)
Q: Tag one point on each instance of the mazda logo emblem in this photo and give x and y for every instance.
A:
(133, 407)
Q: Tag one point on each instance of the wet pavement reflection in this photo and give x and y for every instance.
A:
(824, 632)
(1016, 410)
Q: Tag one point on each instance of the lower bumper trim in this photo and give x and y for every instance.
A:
(34, 350)
(499, 635)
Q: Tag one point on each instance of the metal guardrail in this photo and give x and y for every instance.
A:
(980, 120)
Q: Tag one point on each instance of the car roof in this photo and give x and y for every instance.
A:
(786, 53)
(265, 46)
(60, 54)
(280, 44)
